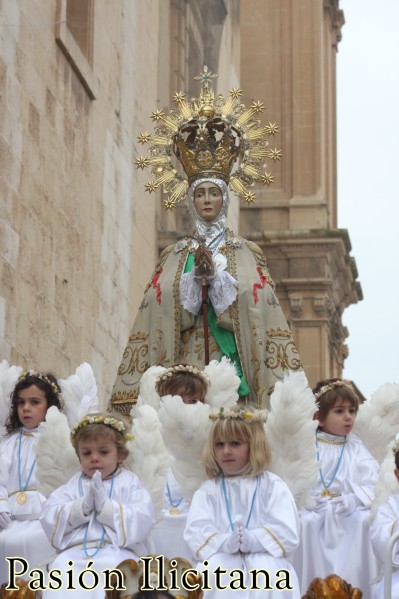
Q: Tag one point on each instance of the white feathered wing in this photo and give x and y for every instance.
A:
(224, 383)
(8, 379)
(148, 394)
(148, 458)
(387, 483)
(377, 421)
(56, 460)
(79, 392)
(185, 428)
(290, 430)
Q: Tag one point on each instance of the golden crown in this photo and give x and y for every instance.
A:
(208, 135)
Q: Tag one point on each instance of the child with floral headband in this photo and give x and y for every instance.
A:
(335, 533)
(243, 518)
(384, 526)
(102, 514)
(191, 384)
(20, 503)
(185, 380)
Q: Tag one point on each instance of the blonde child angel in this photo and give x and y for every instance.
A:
(243, 519)
(102, 514)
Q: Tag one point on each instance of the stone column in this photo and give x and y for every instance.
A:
(288, 60)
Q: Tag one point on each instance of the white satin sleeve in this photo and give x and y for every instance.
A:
(127, 518)
(5, 466)
(278, 532)
(203, 532)
(385, 524)
(274, 518)
(363, 477)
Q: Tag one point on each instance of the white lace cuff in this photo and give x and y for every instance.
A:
(190, 293)
(223, 291)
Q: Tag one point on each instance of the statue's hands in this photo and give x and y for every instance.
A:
(203, 263)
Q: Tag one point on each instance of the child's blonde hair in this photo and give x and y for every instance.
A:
(329, 391)
(110, 427)
(238, 429)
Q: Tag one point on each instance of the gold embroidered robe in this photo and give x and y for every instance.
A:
(165, 333)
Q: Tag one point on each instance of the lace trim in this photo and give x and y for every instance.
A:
(223, 291)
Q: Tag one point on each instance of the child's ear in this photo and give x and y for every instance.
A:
(316, 415)
(397, 474)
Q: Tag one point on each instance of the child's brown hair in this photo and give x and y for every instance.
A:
(108, 426)
(329, 391)
(45, 381)
(183, 378)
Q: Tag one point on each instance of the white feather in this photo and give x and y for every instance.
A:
(290, 430)
(377, 421)
(148, 458)
(56, 459)
(185, 429)
(8, 379)
(147, 394)
(79, 392)
(386, 484)
(224, 383)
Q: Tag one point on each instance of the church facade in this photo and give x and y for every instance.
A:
(79, 236)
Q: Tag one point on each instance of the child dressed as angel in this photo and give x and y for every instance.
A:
(102, 514)
(335, 533)
(244, 517)
(386, 524)
(21, 502)
(182, 396)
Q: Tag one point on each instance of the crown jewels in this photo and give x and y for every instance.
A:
(209, 136)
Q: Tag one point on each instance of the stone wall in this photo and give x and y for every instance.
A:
(77, 239)
(78, 234)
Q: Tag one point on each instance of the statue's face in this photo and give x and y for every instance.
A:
(208, 201)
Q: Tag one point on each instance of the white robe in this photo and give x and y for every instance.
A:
(24, 536)
(333, 542)
(167, 534)
(385, 524)
(273, 516)
(127, 518)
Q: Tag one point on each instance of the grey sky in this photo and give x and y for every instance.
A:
(368, 166)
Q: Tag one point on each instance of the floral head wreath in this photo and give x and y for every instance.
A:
(333, 385)
(190, 368)
(208, 135)
(243, 415)
(105, 419)
(41, 376)
(395, 444)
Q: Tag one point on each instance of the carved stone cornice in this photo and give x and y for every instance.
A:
(337, 18)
